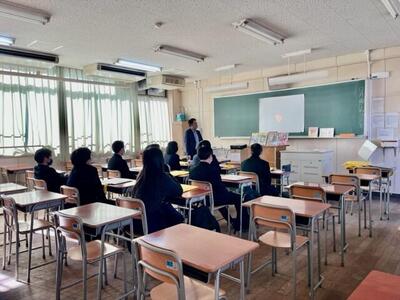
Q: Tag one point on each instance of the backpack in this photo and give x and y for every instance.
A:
(202, 217)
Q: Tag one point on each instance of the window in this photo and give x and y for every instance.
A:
(98, 114)
(26, 104)
(154, 121)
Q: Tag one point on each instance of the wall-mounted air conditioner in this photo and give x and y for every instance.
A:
(19, 56)
(163, 82)
(113, 72)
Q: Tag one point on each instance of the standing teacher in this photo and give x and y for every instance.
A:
(192, 138)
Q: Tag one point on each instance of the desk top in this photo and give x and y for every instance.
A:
(194, 246)
(305, 208)
(179, 173)
(9, 188)
(197, 192)
(99, 214)
(333, 189)
(235, 178)
(125, 183)
(36, 197)
(367, 177)
(184, 164)
(18, 167)
(136, 169)
(229, 166)
(377, 285)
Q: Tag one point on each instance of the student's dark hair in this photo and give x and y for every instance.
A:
(204, 152)
(149, 178)
(41, 154)
(256, 149)
(151, 146)
(191, 121)
(117, 146)
(204, 143)
(80, 156)
(172, 147)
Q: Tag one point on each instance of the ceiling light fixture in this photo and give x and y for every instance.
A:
(392, 9)
(138, 66)
(259, 31)
(6, 41)
(297, 53)
(227, 87)
(180, 53)
(23, 13)
(225, 68)
(297, 77)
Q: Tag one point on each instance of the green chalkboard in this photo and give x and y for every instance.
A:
(339, 105)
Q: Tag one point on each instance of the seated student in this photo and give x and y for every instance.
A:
(171, 157)
(261, 167)
(196, 160)
(205, 172)
(153, 187)
(116, 162)
(43, 171)
(85, 178)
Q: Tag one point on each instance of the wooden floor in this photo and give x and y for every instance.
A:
(381, 252)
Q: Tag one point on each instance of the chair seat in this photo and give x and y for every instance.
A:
(194, 290)
(351, 198)
(93, 250)
(24, 227)
(279, 239)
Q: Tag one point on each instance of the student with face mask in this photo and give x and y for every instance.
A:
(43, 171)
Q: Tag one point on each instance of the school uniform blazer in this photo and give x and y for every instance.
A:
(190, 141)
(205, 172)
(214, 164)
(86, 179)
(53, 179)
(261, 168)
(116, 162)
(173, 161)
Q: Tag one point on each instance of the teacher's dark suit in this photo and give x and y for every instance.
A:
(190, 141)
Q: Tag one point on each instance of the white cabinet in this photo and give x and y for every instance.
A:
(308, 166)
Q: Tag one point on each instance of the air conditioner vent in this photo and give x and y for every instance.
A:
(114, 72)
(27, 57)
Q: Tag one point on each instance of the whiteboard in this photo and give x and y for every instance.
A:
(283, 114)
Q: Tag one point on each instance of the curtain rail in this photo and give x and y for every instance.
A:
(11, 73)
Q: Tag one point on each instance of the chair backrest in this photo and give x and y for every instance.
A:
(113, 174)
(29, 174)
(346, 180)
(368, 170)
(39, 184)
(10, 213)
(305, 192)
(68, 166)
(4, 175)
(70, 227)
(138, 162)
(161, 264)
(30, 183)
(72, 194)
(137, 204)
(254, 178)
(204, 185)
(274, 217)
(99, 170)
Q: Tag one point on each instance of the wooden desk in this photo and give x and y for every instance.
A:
(229, 168)
(279, 175)
(194, 245)
(377, 285)
(191, 194)
(180, 173)
(303, 208)
(11, 188)
(119, 188)
(18, 168)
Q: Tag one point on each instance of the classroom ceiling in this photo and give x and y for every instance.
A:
(92, 31)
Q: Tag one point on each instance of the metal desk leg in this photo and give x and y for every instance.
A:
(312, 259)
(30, 249)
(342, 229)
(326, 237)
(216, 284)
(242, 280)
(369, 208)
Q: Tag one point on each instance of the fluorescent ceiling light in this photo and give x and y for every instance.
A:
(227, 87)
(225, 68)
(180, 53)
(392, 9)
(298, 77)
(297, 53)
(23, 13)
(138, 66)
(259, 31)
(6, 41)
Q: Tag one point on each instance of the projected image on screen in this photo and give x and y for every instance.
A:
(283, 114)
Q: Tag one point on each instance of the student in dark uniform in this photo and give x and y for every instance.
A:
(117, 162)
(43, 171)
(196, 160)
(153, 187)
(205, 172)
(261, 167)
(85, 178)
(171, 157)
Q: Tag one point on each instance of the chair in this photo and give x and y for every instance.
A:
(39, 184)
(4, 175)
(13, 225)
(254, 178)
(72, 193)
(208, 187)
(29, 175)
(138, 162)
(99, 170)
(166, 266)
(281, 224)
(132, 203)
(113, 174)
(354, 197)
(68, 166)
(85, 252)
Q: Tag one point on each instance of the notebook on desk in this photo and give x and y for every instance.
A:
(115, 181)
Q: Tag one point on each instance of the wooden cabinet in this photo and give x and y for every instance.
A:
(178, 131)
